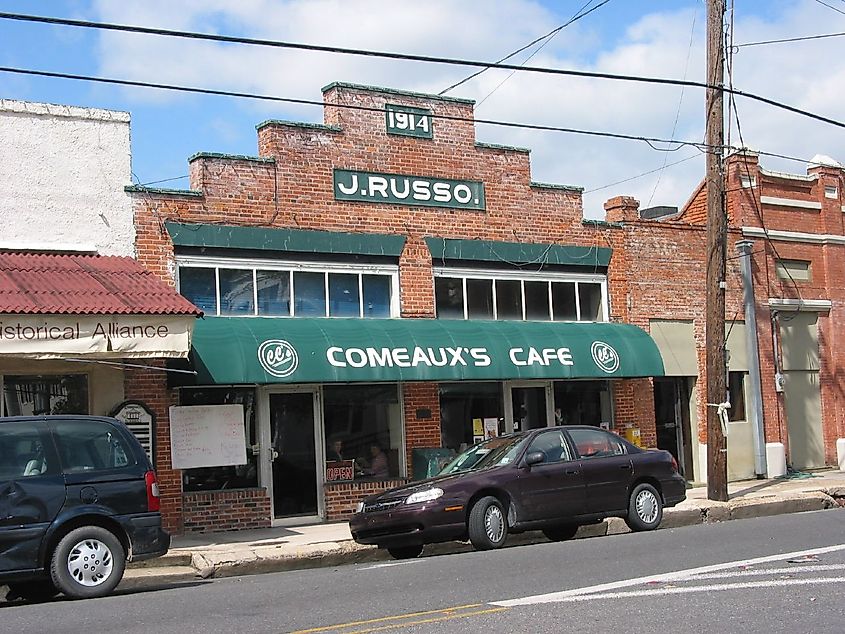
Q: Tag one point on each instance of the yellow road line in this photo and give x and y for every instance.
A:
(410, 615)
(434, 620)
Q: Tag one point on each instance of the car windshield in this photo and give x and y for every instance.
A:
(490, 453)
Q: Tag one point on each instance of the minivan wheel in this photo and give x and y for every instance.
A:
(32, 591)
(561, 533)
(488, 524)
(645, 508)
(405, 552)
(88, 562)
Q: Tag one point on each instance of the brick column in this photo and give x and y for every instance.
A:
(421, 398)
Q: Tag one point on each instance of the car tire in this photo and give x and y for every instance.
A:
(88, 562)
(488, 524)
(560, 533)
(645, 508)
(405, 552)
(32, 591)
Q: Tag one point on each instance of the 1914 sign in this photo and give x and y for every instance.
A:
(408, 121)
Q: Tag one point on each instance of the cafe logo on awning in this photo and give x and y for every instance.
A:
(605, 357)
(278, 358)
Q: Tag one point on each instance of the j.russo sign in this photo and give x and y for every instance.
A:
(54, 336)
(398, 189)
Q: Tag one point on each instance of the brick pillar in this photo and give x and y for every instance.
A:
(150, 387)
(634, 406)
(421, 431)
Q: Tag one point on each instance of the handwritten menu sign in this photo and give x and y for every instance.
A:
(207, 436)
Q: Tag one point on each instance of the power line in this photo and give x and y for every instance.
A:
(632, 178)
(540, 48)
(830, 6)
(548, 35)
(409, 57)
(650, 141)
(788, 39)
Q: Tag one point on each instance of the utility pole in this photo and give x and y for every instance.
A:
(714, 339)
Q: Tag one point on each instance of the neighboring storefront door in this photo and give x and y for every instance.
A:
(672, 418)
(291, 441)
(528, 405)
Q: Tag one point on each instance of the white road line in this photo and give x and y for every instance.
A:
(554, 597)
(389, 564)
(708, 588)
(760, 572)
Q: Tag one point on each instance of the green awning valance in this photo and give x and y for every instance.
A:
(516, 252)
(295, 240)
(231, 350)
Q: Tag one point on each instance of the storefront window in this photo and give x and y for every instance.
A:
(582, 403)
(309, 293)
(367, 422)
(229, 477)
(537, 301)
(563, 301)
(480, 299)
(199, 286)
(48, 394)
(449, 295)
(343, 295)
(463, 408)
(509, 299)
(273, 292)
(591, 306)
(376, 295)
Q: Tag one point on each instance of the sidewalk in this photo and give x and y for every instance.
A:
(318, 545)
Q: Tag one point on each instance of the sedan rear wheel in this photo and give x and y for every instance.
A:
(561, 533)
(645, 508)
(488, 524)
(405, 552)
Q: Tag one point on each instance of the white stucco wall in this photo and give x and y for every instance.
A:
(62, 174)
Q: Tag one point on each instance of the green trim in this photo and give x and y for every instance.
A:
(140, 189)
(394, 91)
(507, 148)
(442, 249)
(568, 188)
(299, 124)
(602, 223)
(231, 157)
(260, 350)
(294, 240)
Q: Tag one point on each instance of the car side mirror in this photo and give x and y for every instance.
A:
(535, 457)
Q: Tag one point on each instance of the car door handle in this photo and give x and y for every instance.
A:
(572, 472)
(624, 466)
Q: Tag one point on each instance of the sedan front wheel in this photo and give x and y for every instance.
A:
(645, 508)
(488, 524)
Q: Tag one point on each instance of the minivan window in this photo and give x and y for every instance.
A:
(22, 452)
(91, 446)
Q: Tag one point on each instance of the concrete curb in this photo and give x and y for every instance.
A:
(217, 563)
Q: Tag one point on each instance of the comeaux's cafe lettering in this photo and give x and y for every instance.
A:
(441, 357)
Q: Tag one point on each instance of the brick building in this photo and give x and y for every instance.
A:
(380, 283)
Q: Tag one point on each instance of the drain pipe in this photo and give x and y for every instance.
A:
(759, 434)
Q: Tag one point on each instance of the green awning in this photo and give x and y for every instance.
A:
(295, 240)
(442, 249)
(231, 350)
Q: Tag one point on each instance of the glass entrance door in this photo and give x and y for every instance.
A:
(293, 454)
(528, 406)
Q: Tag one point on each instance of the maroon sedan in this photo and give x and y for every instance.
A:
(553, 479)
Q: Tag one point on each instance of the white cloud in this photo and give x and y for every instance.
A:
(808, 75)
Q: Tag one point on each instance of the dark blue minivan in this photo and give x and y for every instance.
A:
(78, 499)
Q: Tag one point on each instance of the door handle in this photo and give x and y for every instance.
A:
(625, 466)
(572, 472)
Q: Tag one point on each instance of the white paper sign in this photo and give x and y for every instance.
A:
(207, 436)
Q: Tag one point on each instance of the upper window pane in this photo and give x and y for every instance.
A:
(553, 446)
(343, 295)
(509, 299)
(449, 297)
(376, 295)
(596, 443)
(273, 292)
(236, 292)
(563, 301)
(537, 301)
(198, 286)
(309, 294)
(589, 297)
(479, 299)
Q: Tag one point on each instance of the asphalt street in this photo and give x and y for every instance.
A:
(774, 574)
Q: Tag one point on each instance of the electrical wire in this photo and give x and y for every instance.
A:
(409, 57)
(657, 169)
(830, 6)
(548, 36)
(736, 47)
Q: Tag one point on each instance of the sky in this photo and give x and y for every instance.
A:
(658, 38)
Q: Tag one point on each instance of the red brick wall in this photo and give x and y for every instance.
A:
(343, 497)
(226, 510)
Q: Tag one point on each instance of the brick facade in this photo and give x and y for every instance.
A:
(226, 510)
